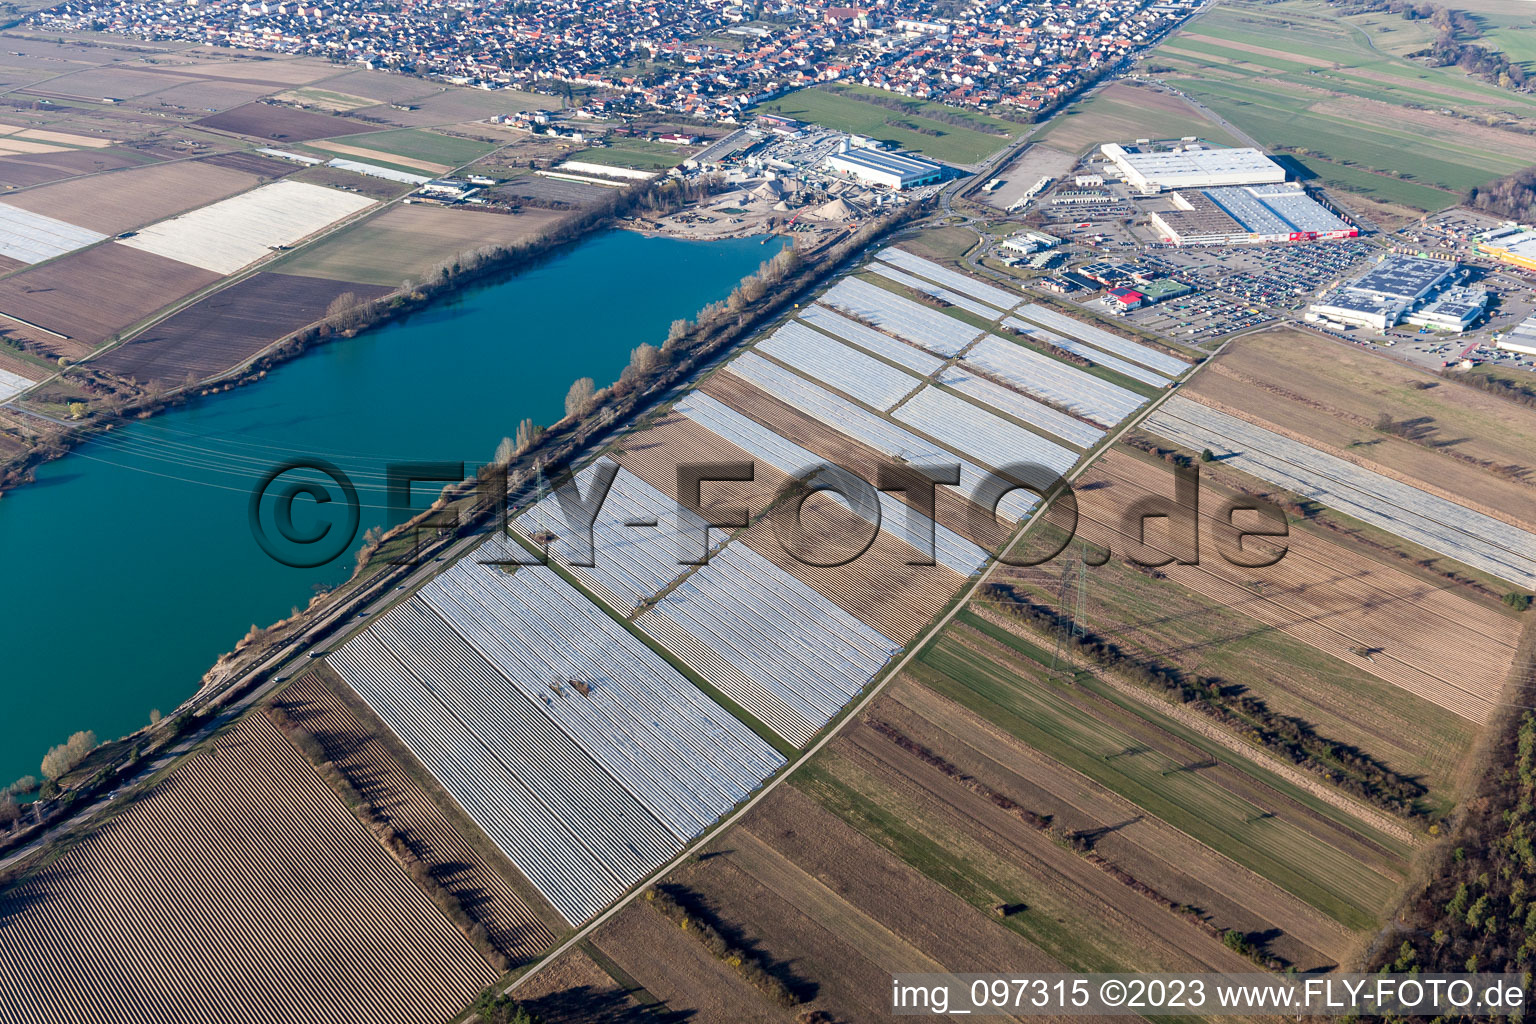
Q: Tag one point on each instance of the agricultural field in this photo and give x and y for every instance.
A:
(637, 154)
(412, 242)
(384, 774)
(1122, 111)
(90, 295)
(130, 198)
(1295, 77)
(1440, 524)
(238, 889)
(431, 153)
(1433, 660)
(847, 108)
(1442, 435)
(276, 123)
(234, 233)
(589, 763)
(228, 327)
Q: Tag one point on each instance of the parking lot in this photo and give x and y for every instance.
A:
(1198, 319)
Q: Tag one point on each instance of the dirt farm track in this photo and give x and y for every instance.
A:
(266, 900)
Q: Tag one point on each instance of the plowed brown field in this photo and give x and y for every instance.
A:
(240, 889)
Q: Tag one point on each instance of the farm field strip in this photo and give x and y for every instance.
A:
(981, 435)
(12, 384)
(267, 899)
(514, 926)
(631, 566)
(950, 548)
(1053, 381)
(870, 340)
(33, 237)
(1021, 407)
(904, 318)
(1441, 526)
(1167, 365)
(648, 725)
(939, 292)
(231, 234)
(880, 434)
(549, 847)
(1428, 641)
(861, 377)
(963, 283)
(752, 615)
(1077, 348)
(1195, 802)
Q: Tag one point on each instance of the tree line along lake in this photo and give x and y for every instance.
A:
(131, 565)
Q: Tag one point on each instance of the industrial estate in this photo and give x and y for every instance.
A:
(1094, 536)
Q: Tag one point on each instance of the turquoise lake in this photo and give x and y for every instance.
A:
(131, 565)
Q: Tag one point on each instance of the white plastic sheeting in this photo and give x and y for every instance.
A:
(999, 297)
(933, 330)
(862, 425)
(1121, 366)
(860, 376)
(13, 384)
(1164, 363)
(1443, 526)
(752, 615)
(1066, 386)
(896, 518)
(586, 792)
(233, 233)
(32, 237)
(1021, 407)
(871, 340)
(901, 277)
(981, 435)
(631, 563)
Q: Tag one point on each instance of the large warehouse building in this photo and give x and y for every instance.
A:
(1191, 166)
(1248, 215)
(1513, 243)
(1389, 291)
(881, 167)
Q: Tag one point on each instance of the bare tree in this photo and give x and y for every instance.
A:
(581, 398)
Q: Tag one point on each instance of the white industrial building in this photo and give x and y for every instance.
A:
(1455, 309)
(880, 167)
(1392, 289)
(1520, 338)
(1191, 166)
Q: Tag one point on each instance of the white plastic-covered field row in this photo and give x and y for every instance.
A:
(233, 233)
(999, 297)
(849, 370)
(13, 384)
(899, 520)
(1066, 386)
(981, 435)
(933, 330)
(581, 752)
(1162, 362)
(1021, 407)
(905, 279)
(632, 563)
(376, 171)
(569, 827)
(1104, 359)
(743, 611)
(862, 425)
(32, 237)
(677, 750)
(1479, 540)
(870, 340)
